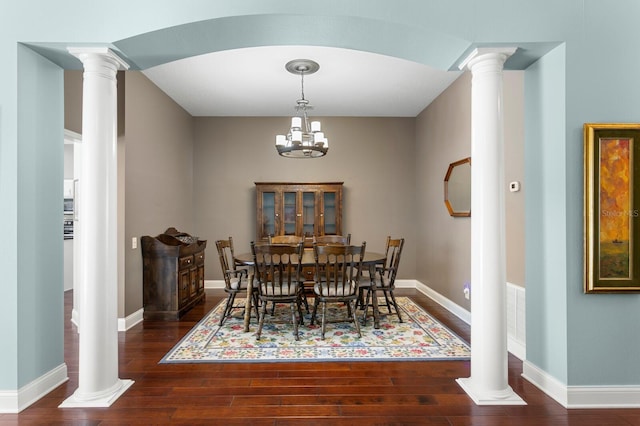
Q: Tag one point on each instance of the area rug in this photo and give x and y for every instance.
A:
(419, 338)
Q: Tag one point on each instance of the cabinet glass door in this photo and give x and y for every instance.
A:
(308, 213)
(330, 225)
(290, 213)
(268, 219)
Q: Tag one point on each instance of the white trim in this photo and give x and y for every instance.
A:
(604, 397)
(516, 347)
(582, 396)
(452, 307)
(102, 400)
(16, 401)
(72, 137)
(75, 318)
(515, 344)
(516, 315)
(214, 284)
(129, 321)
(545, 382)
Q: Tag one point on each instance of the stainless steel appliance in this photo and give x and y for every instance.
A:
(68, 228)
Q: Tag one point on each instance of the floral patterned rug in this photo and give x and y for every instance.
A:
(419, 338)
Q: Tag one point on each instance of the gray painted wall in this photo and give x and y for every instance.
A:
(372, 156)
(443, 137)
(158, 144)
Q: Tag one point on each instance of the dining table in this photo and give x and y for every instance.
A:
(370, 260)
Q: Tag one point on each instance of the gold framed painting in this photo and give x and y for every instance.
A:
(612, 231)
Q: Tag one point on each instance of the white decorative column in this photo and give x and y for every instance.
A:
(488, 384)
(98, 382)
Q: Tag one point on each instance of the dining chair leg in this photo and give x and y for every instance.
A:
(355, 318)
(366, 305)
(315, 310)
(300, 316)
(256, 304)
(261, 323)
(295, 307)
(224, 313)
(303, 297)
(324, 318)
(386, 299)
(395, 305)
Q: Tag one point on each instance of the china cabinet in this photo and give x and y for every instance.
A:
(303, 209)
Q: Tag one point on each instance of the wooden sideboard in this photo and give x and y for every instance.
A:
(173, 274)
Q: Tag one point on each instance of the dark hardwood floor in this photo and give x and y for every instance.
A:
(336, 393)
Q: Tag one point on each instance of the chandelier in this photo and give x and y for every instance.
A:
(304, 139)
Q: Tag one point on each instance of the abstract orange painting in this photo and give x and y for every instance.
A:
(611, 231)
(615, 208)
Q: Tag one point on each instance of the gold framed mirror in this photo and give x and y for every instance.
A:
(457, 188)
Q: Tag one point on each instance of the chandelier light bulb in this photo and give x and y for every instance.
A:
(318, 137)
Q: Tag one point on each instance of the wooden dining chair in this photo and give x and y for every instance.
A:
(278, 270)
(292, 239)
(235, 279)
(338, 269)
(332, 239)
(383, 279)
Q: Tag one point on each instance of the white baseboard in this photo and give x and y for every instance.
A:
(516, 321)
(516, 344)
(450, 306)
(16, 401)
(75, 317)
(124, 324)
(603, 397)
(129, 321)
(545, 382)
(214, 284)
(582, 396)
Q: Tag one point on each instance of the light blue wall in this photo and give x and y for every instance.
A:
(545, 269)
(596, 82)
(602, 86)
(40, 242)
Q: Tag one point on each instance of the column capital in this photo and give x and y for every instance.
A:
(103, 52)
(500, 54)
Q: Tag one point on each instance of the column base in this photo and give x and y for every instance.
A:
(504, 397)
(102, 400)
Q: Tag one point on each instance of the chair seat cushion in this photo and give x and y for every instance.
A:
(240, 284)
(285, 290)
(323, 289)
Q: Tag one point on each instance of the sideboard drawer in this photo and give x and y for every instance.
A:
(185, 262)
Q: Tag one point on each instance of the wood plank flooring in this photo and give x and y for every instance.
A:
(335, 393)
